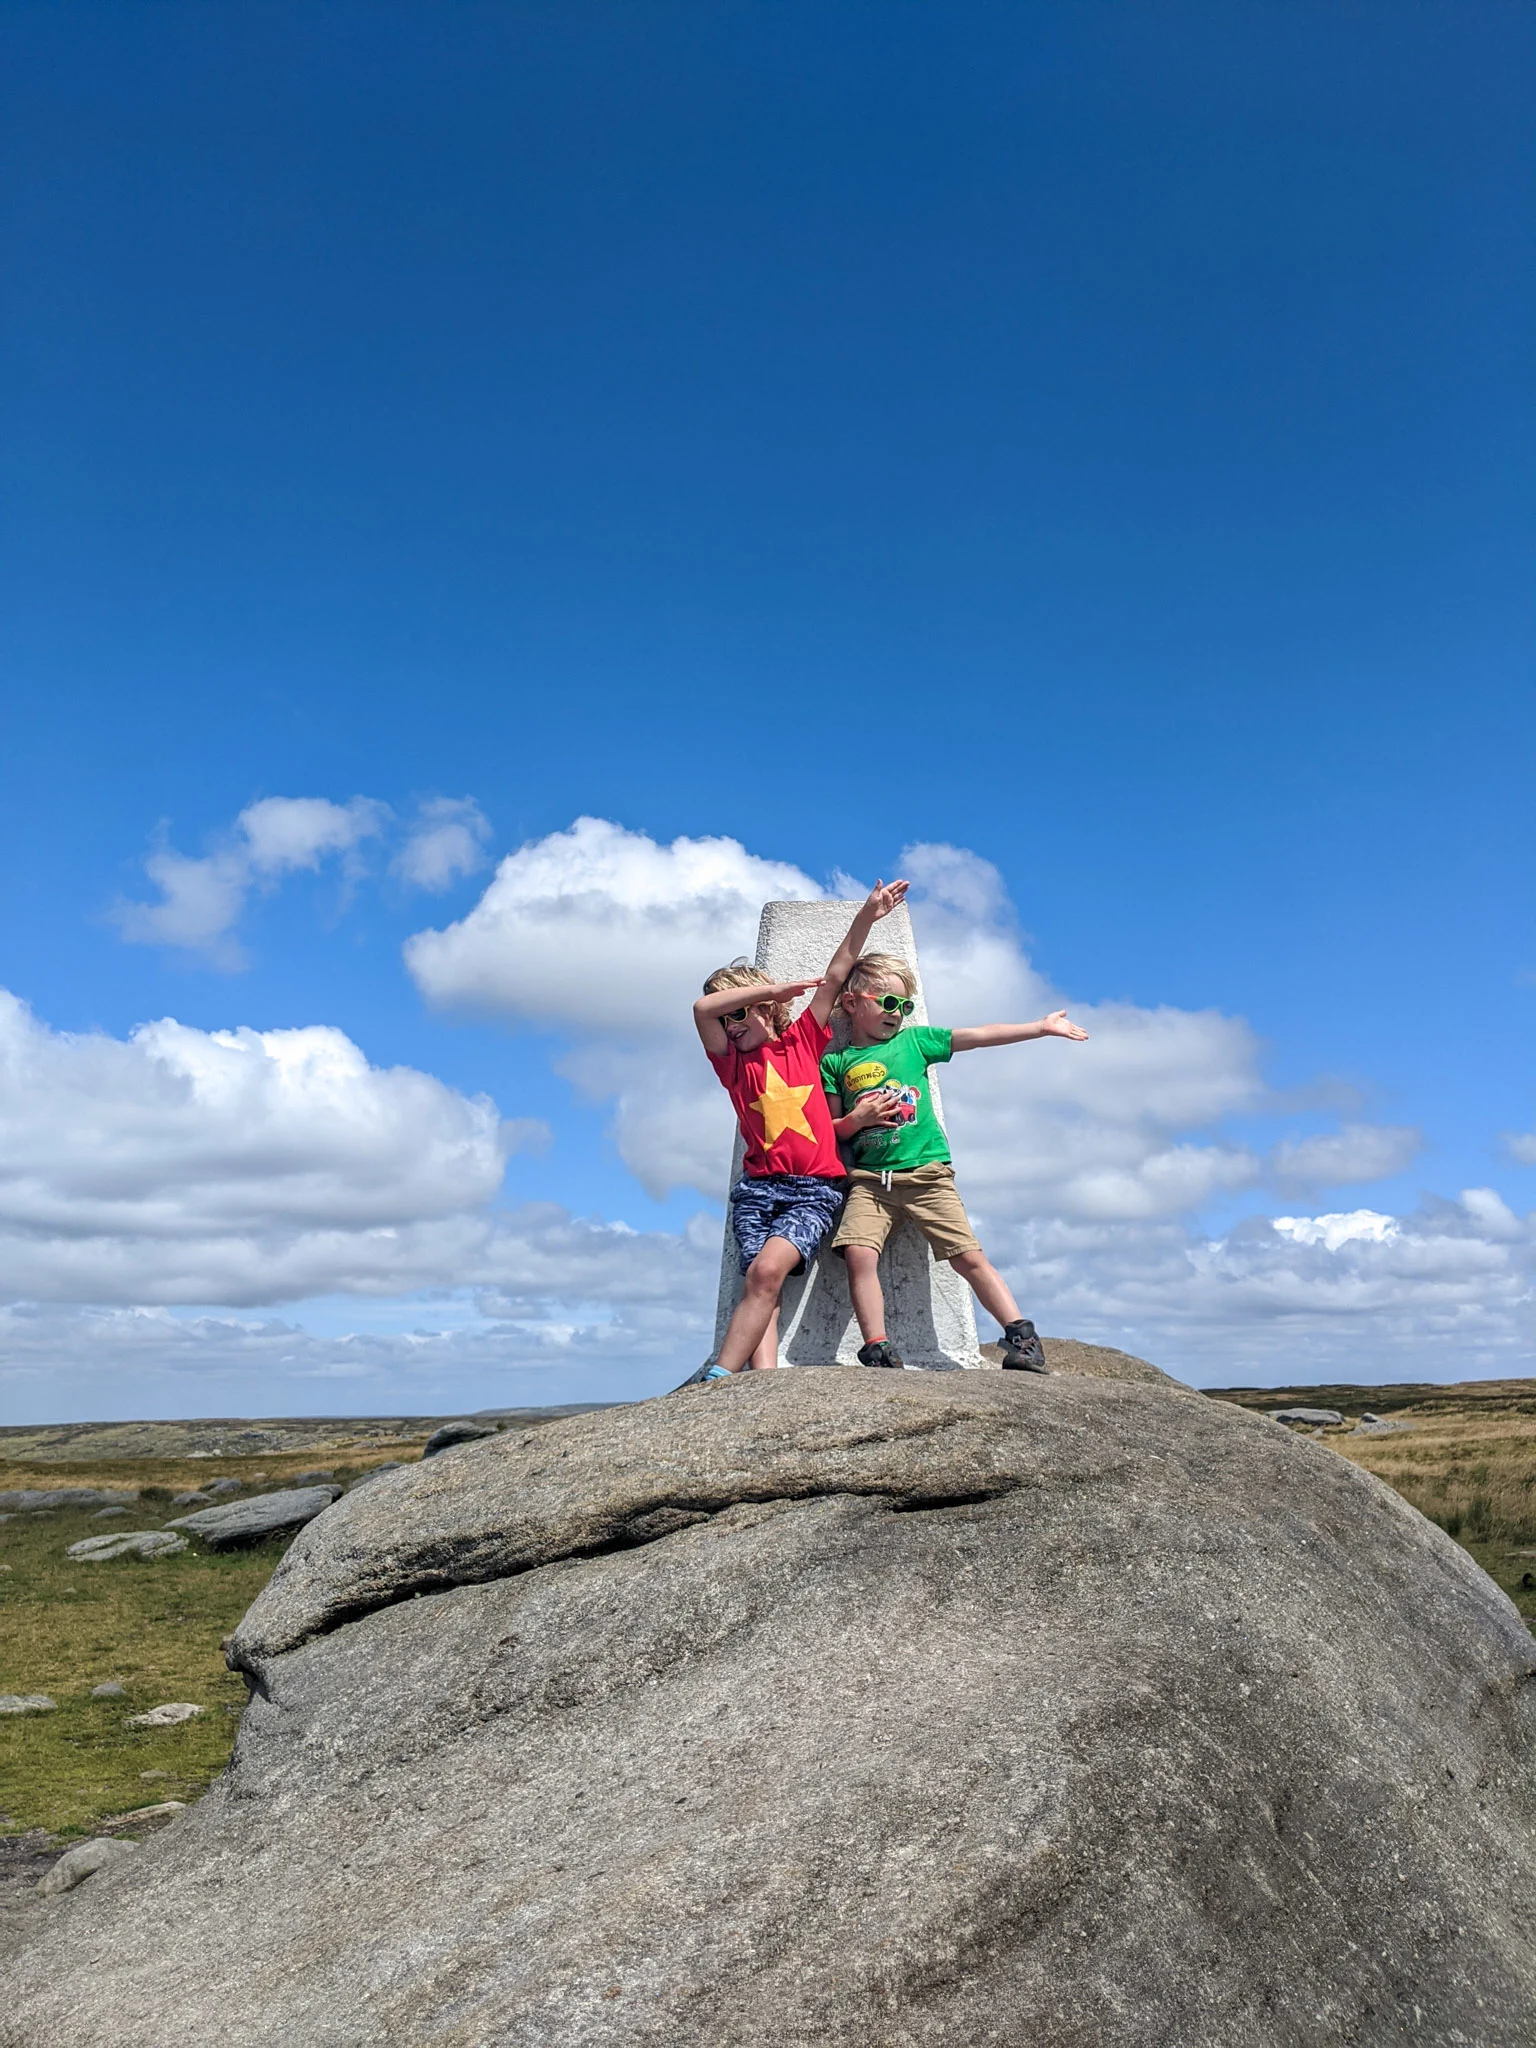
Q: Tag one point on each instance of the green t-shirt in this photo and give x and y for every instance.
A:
(901, 1063)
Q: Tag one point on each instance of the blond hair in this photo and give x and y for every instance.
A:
(872, 967)
(742, 974)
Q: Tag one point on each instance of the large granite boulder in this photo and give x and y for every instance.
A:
(244, 1522)
(853, 1709)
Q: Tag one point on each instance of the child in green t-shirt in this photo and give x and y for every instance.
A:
(879, 1082)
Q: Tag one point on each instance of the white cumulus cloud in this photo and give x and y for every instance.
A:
(199, 1166)
(1358, 1225)
(1435, 1295)
(201, 900)
(1358, 1152)
(447, 841)
(601, 929)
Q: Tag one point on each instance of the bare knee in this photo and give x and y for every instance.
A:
(967, 1263)
(765, 1276)
(861, 1258)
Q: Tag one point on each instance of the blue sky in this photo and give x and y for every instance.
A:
(1094, 439)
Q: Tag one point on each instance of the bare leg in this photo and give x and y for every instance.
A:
(766, 1356)
(988, 1286)
(864, 1286)
(765, 1278)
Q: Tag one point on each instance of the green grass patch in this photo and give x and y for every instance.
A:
(155, 1625)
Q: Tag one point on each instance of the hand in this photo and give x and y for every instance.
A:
(876, 1110)
(782, 991)
(885, 896)
(1060, 1025)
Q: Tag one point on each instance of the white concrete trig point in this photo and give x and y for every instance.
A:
(929, 1314)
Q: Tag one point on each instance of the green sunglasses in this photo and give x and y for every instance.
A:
(895, 1005)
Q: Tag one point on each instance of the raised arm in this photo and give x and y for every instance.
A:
(708, 1010)
(974, 1037)
(880, 902)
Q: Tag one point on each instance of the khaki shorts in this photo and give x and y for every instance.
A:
(923, 1195)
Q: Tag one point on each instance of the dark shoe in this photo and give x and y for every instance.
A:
(878, 1354)
(1022, 1349)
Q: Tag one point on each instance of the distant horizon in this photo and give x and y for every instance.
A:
(589, 1407)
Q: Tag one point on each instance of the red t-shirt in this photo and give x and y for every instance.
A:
(780, 1103)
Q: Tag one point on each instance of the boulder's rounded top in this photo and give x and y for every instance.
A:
(1093, 1362)
(624, 1476)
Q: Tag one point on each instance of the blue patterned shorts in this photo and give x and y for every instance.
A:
(800, 1206)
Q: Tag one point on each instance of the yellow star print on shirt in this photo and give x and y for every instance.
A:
(781, 1107)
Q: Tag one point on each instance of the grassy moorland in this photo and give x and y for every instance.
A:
(154, 1625)
(1467, 1460)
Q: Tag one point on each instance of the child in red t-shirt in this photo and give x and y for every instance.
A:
(792, 1177)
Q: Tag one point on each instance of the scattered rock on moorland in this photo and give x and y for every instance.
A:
(193, 1498)
(151, 1817)
(312, 1478)
(126, 1543)
(81, 1862)
(32, 1500)
(242, 1522)
(844, 1708)
(1308, 1418)
(222, 1486)
(171, 1715)
(454, 1433)
(389, 1465)
(109, 1689)
(26, 1703)
(106, 1514)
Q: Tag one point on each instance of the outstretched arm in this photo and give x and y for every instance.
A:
(880, 902)
(973, 1037)
(708, 1010)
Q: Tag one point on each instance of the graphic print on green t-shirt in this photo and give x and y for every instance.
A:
(901, 1063)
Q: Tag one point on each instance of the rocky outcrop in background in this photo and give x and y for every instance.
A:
(858, 1709)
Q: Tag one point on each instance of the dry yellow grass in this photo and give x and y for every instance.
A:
(1467, 1461)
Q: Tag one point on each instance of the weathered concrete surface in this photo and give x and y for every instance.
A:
(930, 1315)
(852, 1709)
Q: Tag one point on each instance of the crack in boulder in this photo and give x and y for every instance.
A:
(668, 1518)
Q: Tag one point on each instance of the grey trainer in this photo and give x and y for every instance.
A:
(881, 1352)
(1022, 1349)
